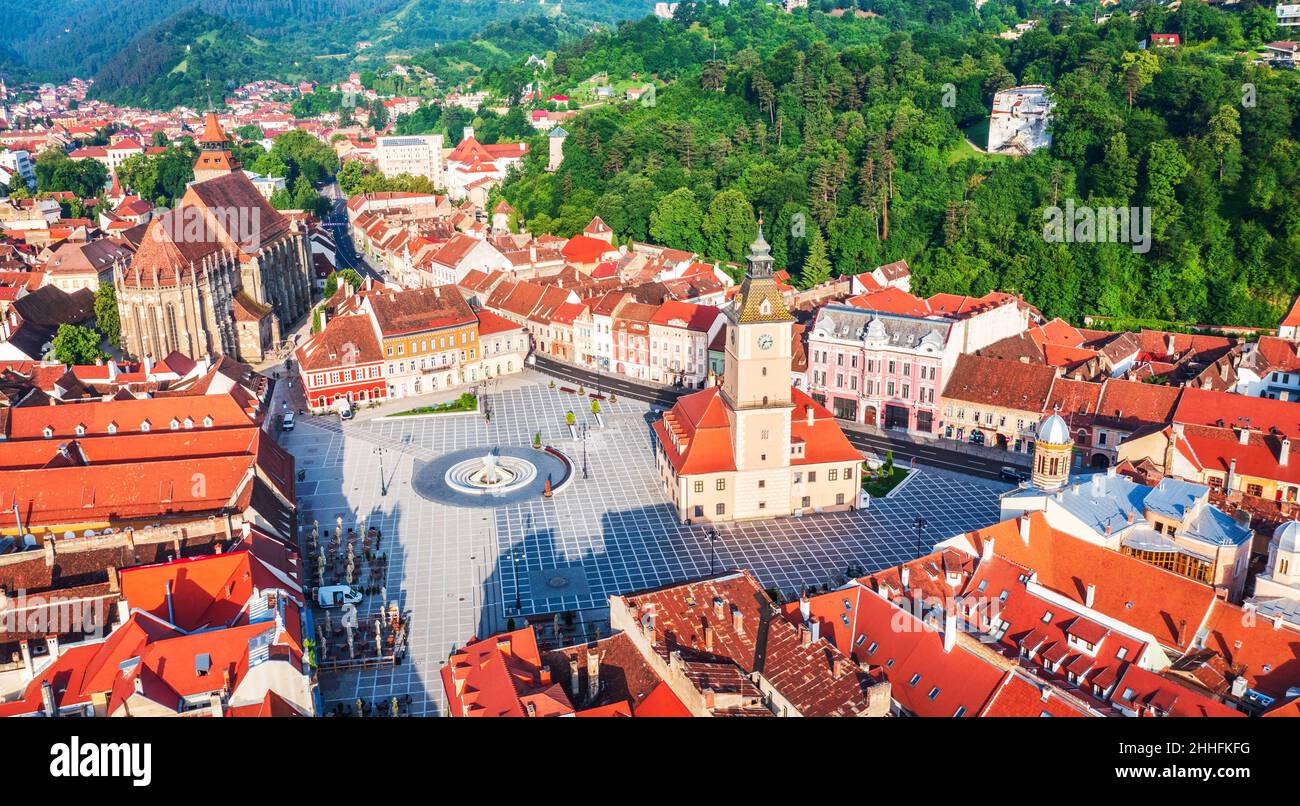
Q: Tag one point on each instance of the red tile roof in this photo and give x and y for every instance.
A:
(1227, 409)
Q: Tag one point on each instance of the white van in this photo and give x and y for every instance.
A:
(337, 595)
(286, 422)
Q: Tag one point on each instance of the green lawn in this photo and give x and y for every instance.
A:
(879, 486)
(465, 402)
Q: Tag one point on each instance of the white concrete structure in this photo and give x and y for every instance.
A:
(1288, 15)
(415, 155)
(1020, 122)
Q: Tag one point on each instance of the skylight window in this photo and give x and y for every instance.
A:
(916, 678)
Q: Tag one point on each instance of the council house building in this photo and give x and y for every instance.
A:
(755, 447)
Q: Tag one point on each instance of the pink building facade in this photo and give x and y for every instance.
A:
(879, 369)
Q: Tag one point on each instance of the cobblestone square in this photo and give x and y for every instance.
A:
(464, 572)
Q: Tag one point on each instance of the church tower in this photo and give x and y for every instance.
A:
(215, 158)
(1052, 454)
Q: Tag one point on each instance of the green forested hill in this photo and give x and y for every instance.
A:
(841, 133)
(56, 39)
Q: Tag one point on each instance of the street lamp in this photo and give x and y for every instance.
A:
(921, 525)
(383, 482)
(584, 450)
(712, 535)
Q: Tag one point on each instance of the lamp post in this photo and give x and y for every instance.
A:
(712, 535)
(584, 450)
(921, 525)
(383, 482)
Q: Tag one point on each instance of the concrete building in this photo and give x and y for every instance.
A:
(417, 155)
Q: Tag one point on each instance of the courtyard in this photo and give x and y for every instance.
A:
(463, 571)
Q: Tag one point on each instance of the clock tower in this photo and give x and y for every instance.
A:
(755, 447)
(756, 378)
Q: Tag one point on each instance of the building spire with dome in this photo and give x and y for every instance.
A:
(1053, 452)
(761, 298)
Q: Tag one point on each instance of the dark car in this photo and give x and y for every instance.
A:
(1013, 474)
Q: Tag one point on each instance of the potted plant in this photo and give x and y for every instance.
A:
(552, 384)
(537, 440)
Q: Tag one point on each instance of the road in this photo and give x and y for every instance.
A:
(904, 449)
(337, 222)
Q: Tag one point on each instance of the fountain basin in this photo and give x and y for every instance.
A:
(468, 478)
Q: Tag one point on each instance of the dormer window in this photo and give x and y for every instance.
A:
(48, 432)
(144, 426)
(207, 422)
(112, 428)
(189, 423)
(81, 430)
(175, 424)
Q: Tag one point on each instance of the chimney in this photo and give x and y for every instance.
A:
(544, 676)
(52, 641)
(904, 575)
(49, 551)
(573, 678)
(469, 133)
(1091, 596)
(214, 703)
(841, 666)
(708, 637)
(1285, 453)
(114, 582)
(1169, 344)
(737, 620)
(805, 635)
(718, 608)
(1243, 436)
(949, 631)
(805, 607)
(810, 413)
(47, 698)
(1024, 528)
(987, 552)
(593, 674)
(1232, 475)
(171, 615)
(815, 628)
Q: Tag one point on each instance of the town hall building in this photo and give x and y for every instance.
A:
(755, 447)
(224, 272)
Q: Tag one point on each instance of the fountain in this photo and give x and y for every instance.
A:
(492, 473)
(479, 478)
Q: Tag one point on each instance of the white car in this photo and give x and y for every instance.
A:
(286, 422)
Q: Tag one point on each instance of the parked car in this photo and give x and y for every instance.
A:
(337, 595)
(1013, 474)
(286, 421)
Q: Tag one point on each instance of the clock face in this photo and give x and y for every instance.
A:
(764, 342)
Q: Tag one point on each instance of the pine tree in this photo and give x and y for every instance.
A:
(817, 267)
